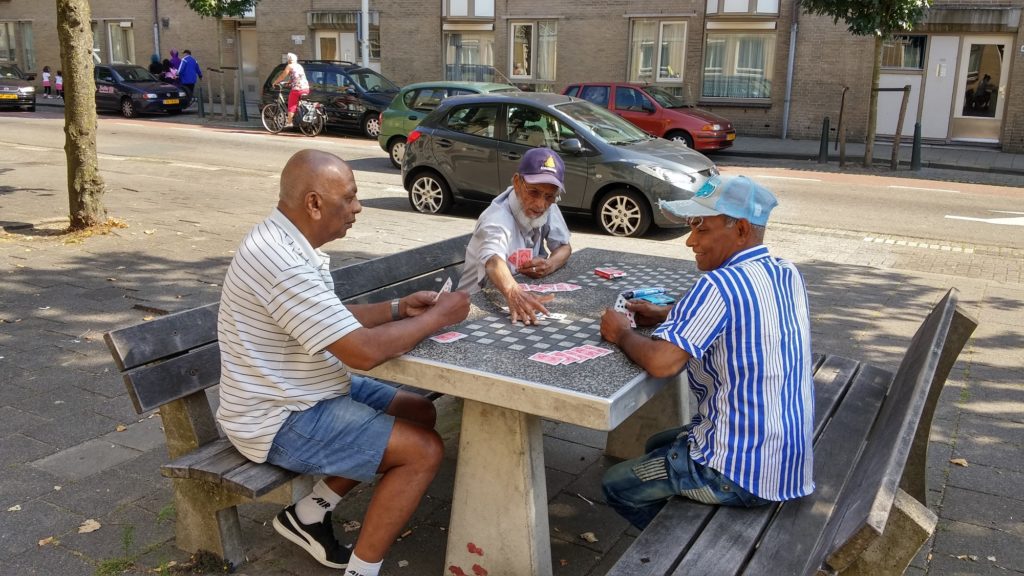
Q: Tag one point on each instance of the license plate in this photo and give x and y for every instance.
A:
(8, 96)
(730, 136)
(171, 101)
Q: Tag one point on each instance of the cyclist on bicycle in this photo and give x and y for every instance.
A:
(296, 76)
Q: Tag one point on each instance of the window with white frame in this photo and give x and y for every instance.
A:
(904, 52)
(738, 65)
(470, 56)
(8, 44)
(657, 50)
(742, 7)
(122, 42)
(533, 50)
(469, 8)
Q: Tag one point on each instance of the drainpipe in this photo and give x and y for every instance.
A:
(365, 32)
(156, 27)
(789, 68)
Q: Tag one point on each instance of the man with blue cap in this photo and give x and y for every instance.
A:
(525, 217)
(743, 335)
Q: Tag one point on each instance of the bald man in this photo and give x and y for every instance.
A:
(286, 394)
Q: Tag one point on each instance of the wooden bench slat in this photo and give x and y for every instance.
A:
(215, 467)
(152, 386)
(179, 467)
(254, 480)
(363, 277)
(165, 336)
(787, 545)
(672, 527)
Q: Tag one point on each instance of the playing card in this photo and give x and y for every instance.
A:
(596, 350)
(552, 316)
(564, 357)
(525, 255)
(576, 356)
(448, 337)
(620, 306)
(609, 272)
(446, 288)
(586, 352)
(546, 358)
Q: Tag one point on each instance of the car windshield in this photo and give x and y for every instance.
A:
(667, 99)
(135, 74)
(8, 71)
(602, 123)
(372, 82)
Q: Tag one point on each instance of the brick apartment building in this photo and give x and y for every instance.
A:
(964, 63)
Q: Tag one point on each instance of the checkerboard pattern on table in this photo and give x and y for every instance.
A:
(675, 280)
(547, 336)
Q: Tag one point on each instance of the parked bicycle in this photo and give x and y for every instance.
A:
(310, 117)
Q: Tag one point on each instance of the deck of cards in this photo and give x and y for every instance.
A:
(446, 288)
(559, 287)
(620, 306)
(609, 273)
(570, 355)
(448, 337)
(520, 257)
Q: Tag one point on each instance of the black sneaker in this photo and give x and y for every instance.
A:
(317, 539)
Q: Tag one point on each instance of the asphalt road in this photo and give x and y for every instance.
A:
(152, 151)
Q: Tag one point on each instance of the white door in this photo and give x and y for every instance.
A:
(981, 88)
(327, 46)
(939, 85)
(251, 81)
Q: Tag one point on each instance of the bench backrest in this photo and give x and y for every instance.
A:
(170, 357)
(905, 415)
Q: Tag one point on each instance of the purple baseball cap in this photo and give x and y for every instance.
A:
(542, 166)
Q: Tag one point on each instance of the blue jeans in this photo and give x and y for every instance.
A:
(638, 488)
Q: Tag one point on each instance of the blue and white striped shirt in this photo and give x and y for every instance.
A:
(747, 328)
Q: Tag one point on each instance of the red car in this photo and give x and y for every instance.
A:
(658, 112)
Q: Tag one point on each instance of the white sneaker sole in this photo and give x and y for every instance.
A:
(313, 547)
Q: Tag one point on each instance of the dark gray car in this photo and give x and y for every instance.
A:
(16, 87)
(469, 147)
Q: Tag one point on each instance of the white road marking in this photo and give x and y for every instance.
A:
(109, 157)
(785, 178)
(1015, 221)
(197, 166)
(927, 189)
(33, 148)
(395, 189)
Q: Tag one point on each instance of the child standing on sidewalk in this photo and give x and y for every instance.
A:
(46, 82)
(60, 85)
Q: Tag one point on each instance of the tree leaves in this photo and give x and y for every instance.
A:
(221, 8)
(871, 17)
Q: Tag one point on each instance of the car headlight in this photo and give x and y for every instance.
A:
(27, 90)
(712, 127)
(673, 177)
(182, 94)
(150, 96)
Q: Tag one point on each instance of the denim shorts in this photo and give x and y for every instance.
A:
(345, 436)
(638, 488)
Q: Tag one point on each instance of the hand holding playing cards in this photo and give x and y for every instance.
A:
(613, 325)
(453, 307)
(535, 268)
(522, 305)
(647, 313)
(418, 302)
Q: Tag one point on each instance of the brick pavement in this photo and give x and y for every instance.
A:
(61, 402)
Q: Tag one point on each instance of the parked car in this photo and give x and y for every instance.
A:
(659, 113)
(16, 88)
(469, 147)
(353, 96)
(132, 90)
(414, 102)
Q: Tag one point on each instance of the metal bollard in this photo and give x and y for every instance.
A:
(241, 102)
(915, 154)
(823, 148)
(199, 99)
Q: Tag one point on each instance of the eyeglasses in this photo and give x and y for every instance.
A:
(694, 221)
(537, 194)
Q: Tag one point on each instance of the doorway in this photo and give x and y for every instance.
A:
(981, 88)
(333, 45)
(250, 64)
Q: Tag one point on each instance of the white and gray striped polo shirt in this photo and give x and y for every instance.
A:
(278, 314)
(747, 327)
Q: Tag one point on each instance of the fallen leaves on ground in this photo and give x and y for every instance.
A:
(958, 462)
(589, 537)
(120, 428)
(48, 540)
(14, 508)
(89, 525)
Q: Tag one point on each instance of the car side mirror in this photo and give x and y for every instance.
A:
(571, 146)
(646, 106)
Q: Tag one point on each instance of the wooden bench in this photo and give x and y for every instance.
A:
(168, 363)
(867, 514)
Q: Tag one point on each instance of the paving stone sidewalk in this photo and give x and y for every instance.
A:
(64, 460)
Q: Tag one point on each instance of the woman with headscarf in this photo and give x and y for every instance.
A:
(175, 60)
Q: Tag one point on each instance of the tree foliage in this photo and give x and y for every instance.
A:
(880, 18)
(221, 8)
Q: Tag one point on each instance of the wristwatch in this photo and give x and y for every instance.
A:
(396, 313)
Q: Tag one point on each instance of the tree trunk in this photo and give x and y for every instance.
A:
(85, 185)
(869, 141)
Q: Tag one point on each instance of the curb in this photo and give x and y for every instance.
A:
(850, 159)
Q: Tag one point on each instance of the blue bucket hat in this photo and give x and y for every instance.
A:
(542, 166)
(735, 196)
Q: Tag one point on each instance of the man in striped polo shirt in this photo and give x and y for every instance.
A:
(286, 395)
(743, 335)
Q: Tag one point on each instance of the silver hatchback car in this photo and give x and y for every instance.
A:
(469, 147)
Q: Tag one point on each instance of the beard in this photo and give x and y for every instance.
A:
(522, 218)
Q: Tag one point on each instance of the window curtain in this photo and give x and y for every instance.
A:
(641, 50)
(547, 50)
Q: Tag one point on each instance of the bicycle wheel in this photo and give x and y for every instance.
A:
(273, 117)
(315, 126)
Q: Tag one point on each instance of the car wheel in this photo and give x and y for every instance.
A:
(429, 194)
(371, 125)
(680, 136)
(128, 108)
(396, 150)
(623, 213)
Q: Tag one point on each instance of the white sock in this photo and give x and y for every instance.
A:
(359, 567)
(316, 504)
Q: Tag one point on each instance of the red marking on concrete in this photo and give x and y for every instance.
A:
(456, 571)
(479, 570)
(474, 549)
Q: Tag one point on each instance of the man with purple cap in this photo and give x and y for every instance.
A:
(523, 217)
(743, 335)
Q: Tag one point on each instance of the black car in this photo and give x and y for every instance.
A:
(132, 90)
(16, 88)
(353, 96)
